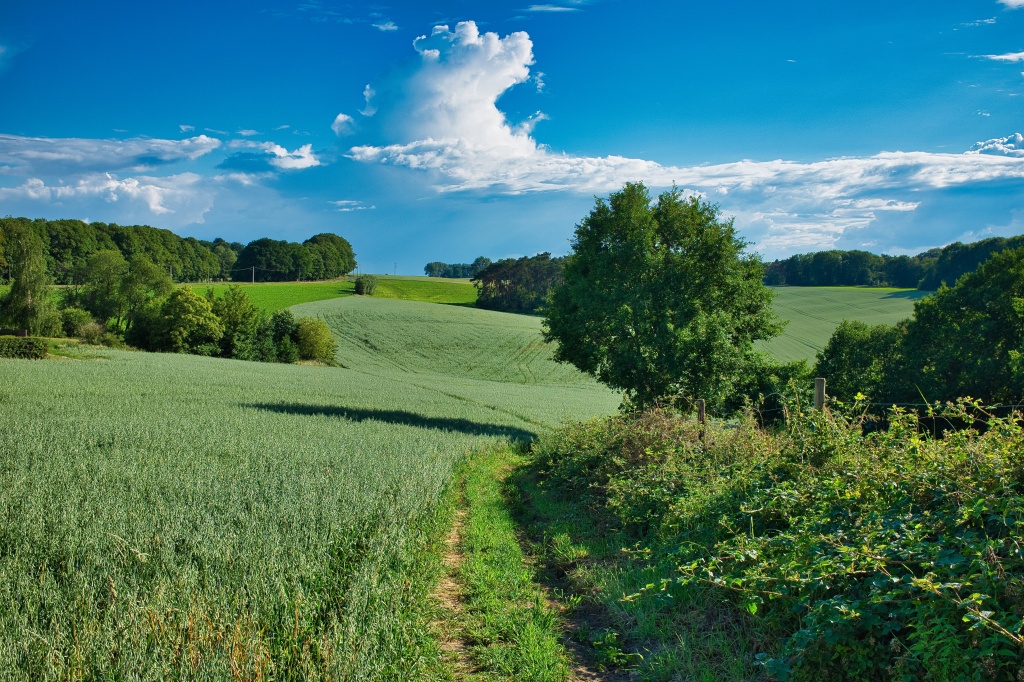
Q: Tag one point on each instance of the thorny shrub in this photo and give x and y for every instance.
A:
(891, 555)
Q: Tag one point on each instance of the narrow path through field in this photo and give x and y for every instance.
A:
(503, 620)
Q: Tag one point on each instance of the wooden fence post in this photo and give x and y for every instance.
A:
(702, 417)
(819, 393)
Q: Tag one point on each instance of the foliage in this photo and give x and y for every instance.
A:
(967, 339)
(28, 303)
(456, 270)
(22, 347)
(314, 340)
(888, 556)
(850, 268)
(73, 319)
(958, 259)
(101, 294)
(518, 285)
(187, 324)
(863, 359)
(659, 301)
(323, 256)
(242, 322)
(366, 285)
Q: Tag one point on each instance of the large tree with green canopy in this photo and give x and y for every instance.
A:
(659, 299)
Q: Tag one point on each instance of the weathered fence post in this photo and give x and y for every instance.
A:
(702, 417)
(819, 393)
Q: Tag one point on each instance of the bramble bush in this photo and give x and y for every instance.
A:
(892, 555)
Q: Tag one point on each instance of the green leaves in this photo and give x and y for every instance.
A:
(660, 301)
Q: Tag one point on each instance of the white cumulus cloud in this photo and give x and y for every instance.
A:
(281, 158)
(342, 125)
(452, 127)
(1012, 4)
(1011, 145)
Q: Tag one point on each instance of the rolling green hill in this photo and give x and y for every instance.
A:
(173, 516)
(813, 313)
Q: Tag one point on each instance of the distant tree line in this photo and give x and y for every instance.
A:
(925, 271)
(115, 300)
(67, 246)
(518, 285)
(964, 340)
(456, 270)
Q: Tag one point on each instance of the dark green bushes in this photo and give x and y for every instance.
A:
(366, 285)
(20, 347)
(889, 556)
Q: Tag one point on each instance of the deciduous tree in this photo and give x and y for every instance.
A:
(659, 300)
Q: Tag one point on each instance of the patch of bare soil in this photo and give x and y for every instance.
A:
(449, 597)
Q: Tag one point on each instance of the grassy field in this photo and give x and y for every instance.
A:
(185, 517)
(273, 296)
(814, 313)
(430, 289)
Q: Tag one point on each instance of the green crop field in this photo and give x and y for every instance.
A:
(813, 313)
(185, 517)
(272, 296)
(431, 289)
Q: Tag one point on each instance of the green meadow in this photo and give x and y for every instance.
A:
(813, 313)
(186, 517)
(273, 296)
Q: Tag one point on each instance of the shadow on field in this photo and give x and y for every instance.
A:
(399, 417)
(914, 295)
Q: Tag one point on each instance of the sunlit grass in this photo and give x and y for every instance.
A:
(273, 296)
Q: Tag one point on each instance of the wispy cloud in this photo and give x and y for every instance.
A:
(386, 26)
(186, 128)
(247, 132)
(1012, 4)
(980, 22)
(48, 155)
(349, 205)
(1008, 57)
(552, 8)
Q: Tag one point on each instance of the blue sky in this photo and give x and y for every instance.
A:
(449, 130)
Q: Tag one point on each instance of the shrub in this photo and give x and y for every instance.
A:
(887, 556)
(366, 285)
(315, 340)
(91, 332)
(73, 319)
(23, 348)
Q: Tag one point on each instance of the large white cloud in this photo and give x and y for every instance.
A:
(454, 130)
(1011, 145)
(44, 155)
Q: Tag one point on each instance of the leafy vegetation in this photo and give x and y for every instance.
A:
(323, 256)
(659, 301)
(456, 270)
(964, 340)
(518, 285)
(366, 285)
(819, 552)
(25, 348)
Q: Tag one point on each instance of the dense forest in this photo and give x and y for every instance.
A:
(69, 244)
(925, 271)
(456, 270)
(518, 285)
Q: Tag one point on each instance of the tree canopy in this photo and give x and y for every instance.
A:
(659, 300)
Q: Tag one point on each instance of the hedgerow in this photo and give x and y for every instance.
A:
(892, 555)
(25, 348)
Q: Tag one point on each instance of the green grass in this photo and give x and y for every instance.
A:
(512, 632)
(170, 516)
(427, 289)
(814, 313)
(273, 296)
